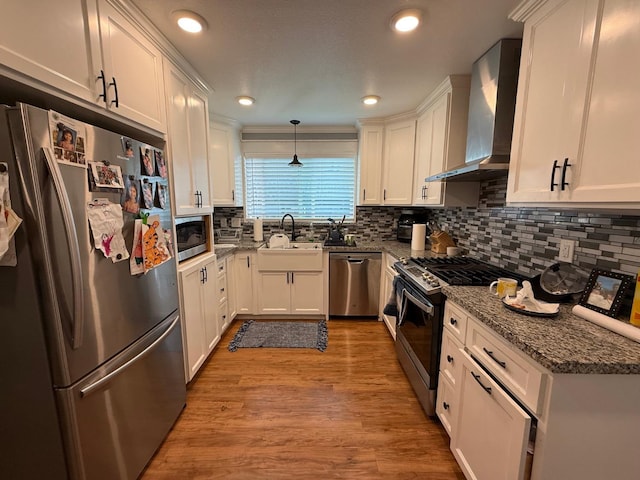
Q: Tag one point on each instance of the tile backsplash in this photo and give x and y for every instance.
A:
(523, 239)
(528, 239)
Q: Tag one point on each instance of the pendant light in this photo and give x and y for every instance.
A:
(295, 162)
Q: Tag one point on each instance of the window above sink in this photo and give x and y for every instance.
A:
(320, 189)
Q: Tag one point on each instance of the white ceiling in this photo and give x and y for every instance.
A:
(313, 60)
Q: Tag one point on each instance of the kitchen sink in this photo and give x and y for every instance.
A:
(297, 256)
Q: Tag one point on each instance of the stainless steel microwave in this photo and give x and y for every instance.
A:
(191, 236)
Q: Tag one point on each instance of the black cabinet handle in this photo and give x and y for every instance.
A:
(449, 359)
(233, 195)
(206, 275)
(115, 89)
(477, 378)
(384, 194)
(553, 174)
(103, 95)
(202, 275)
(248, 265)
(453, 321)
(364, 194)
(445, 405)
(564, 173)
(499, 362)
(291, 277)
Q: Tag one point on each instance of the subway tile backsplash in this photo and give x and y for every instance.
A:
(523, 239)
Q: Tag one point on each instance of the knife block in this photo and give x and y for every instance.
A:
(440, 241)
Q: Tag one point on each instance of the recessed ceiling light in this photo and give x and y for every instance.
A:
(245, 100)
(370, 99)
(406, 20)
(189, 21)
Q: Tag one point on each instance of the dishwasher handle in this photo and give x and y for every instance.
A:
(357, 261)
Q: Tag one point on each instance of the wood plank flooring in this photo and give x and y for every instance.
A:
(346, 413)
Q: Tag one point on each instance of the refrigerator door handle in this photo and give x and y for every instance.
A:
(98, 383)
(74, 250)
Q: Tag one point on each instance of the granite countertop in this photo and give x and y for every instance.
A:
(395, 248)
(563, 344)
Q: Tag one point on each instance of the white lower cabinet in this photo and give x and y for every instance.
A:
(231, 287)
(244, 282)
(198, 291)
(510, 418)
(491, 430)
(224, 294)
(386, 290)
(291, 292)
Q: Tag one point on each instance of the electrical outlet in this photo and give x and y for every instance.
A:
(223, 222)
(236, 222)
(566, 250)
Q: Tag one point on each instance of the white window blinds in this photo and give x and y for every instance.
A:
(322, 188)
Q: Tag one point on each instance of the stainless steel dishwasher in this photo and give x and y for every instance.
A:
(354, 284)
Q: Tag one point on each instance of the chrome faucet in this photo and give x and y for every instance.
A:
(293, 225)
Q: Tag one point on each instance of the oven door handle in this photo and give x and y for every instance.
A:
(428, 309)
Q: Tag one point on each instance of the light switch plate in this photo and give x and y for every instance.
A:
(223, 222)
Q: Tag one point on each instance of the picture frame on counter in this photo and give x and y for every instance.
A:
(605, 291)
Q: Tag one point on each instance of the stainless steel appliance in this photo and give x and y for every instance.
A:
(191, 236)
(354, 284)
(492, 103)
(405, 224)
(419, 328)
(90, 357)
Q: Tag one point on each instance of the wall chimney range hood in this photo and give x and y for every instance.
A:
(492, 101)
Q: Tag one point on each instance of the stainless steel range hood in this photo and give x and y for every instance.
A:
(492, 101)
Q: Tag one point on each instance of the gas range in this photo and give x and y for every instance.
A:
(431, 273)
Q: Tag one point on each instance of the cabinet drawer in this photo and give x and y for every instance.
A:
(446, 404)
(523, 377)
(223, 317)
(222, 267)
(455, 319)
(222, 289)
(450, 357)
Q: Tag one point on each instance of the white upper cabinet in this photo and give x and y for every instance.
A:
(371, 141)
(53, 44)
(441, 138)
(132, 67)
(188, 143)
(577, 109)
(85, 50)
(399, 147)
(224, 152)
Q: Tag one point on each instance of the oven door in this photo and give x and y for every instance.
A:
(418, 340)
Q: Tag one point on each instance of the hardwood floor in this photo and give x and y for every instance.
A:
(348, 412)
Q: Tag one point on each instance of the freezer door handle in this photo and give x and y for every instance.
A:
(107, 378)
(74, 250)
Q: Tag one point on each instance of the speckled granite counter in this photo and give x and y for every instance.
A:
(563, 344)
(395, 248)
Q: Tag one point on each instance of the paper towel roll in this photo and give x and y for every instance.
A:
(257, 230)
(418, 235)
(621, 328)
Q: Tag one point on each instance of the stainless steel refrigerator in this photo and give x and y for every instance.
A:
(91, 362)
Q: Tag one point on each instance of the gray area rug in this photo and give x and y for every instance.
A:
(272, 334)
